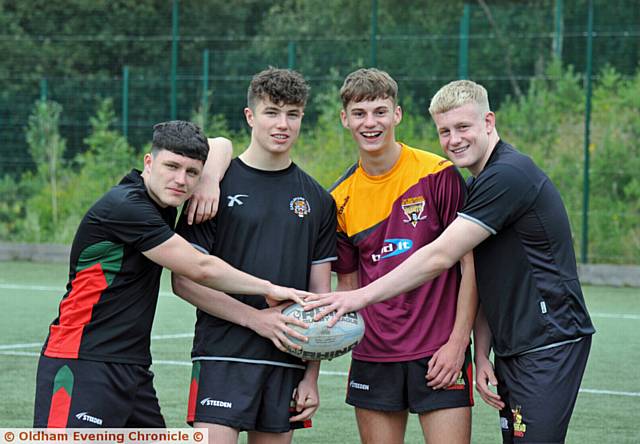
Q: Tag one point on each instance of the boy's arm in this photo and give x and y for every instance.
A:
(347, 281)
(307, 397)
(485, 375)
(182, 258)
(445, 365)
(269, 323)
(204, 202)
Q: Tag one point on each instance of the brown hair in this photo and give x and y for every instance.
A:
(281, 86)
(368, 84)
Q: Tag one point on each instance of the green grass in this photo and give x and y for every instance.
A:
(598, 417)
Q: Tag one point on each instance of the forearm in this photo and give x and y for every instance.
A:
(218, 160)
(419, 268)
(213, 302)
(213, 272)
(481, 336)
(347, 281)
(460, 237)
(467, 304)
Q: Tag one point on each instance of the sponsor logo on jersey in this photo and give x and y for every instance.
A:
(300, 206)
(216, 403)
(358, 386)
(82, 416)
(343, 206)
(413, 208)
(392, 247)
(458, 385)
(236, 199)
(519, 427)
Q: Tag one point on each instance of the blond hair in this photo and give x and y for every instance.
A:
(368, 84)
(458, 93)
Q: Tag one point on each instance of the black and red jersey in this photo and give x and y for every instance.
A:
(108, 309)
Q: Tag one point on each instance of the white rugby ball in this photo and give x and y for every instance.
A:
(325, 342)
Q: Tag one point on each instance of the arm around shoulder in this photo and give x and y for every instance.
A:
(205, 199)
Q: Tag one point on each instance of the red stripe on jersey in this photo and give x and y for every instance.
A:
(191, 406)
(469, 371)
(75, 313)
(59, 410)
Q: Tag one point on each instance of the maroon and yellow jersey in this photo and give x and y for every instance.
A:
(108, 309)
(382, 220)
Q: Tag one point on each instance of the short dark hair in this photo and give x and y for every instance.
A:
(180, 137)
(368, 84)
(280, 86)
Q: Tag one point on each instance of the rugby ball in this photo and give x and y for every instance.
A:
(325, 342)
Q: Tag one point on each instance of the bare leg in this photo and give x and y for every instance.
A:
(447, 426)
(378, 427)
(219, 434)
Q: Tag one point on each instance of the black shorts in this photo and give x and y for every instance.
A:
(244, 396)
(75, 393)
(397, 386)
(539, 390)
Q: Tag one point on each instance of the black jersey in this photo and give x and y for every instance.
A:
(108, 309)
(273, 225)
(526, 272)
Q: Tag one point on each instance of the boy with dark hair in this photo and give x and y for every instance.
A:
(415, 354)
(532, 311)
(278, 223)
(94, 367)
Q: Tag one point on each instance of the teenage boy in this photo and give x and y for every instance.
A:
(94, 367)
(276, 222)
(532, 311)
(415, 355)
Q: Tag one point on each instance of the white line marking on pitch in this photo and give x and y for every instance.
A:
(62, 289)
(327, 373)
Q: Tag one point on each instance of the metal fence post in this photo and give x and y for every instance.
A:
(125, 101)
(463, 51)
(374, 32)
(559, 29)
(587, 138)
(174, 59)
(292, 54)
(205, 85)
(44, 89)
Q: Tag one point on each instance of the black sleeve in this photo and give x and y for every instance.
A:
(136, 221)
(202, 236)
(499, 196)
(325, 249)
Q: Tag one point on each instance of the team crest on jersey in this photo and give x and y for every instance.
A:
(300, 206)
(413, 208)
(519, 428)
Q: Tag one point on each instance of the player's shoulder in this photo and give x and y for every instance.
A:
(343, 183)
(128, 200)
(427, 161)
(510, 165)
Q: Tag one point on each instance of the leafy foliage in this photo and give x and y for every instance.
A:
(547, 123)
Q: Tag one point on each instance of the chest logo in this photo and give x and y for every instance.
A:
(300, 206)
(413, 208)
(236, 199)
(392, 247)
